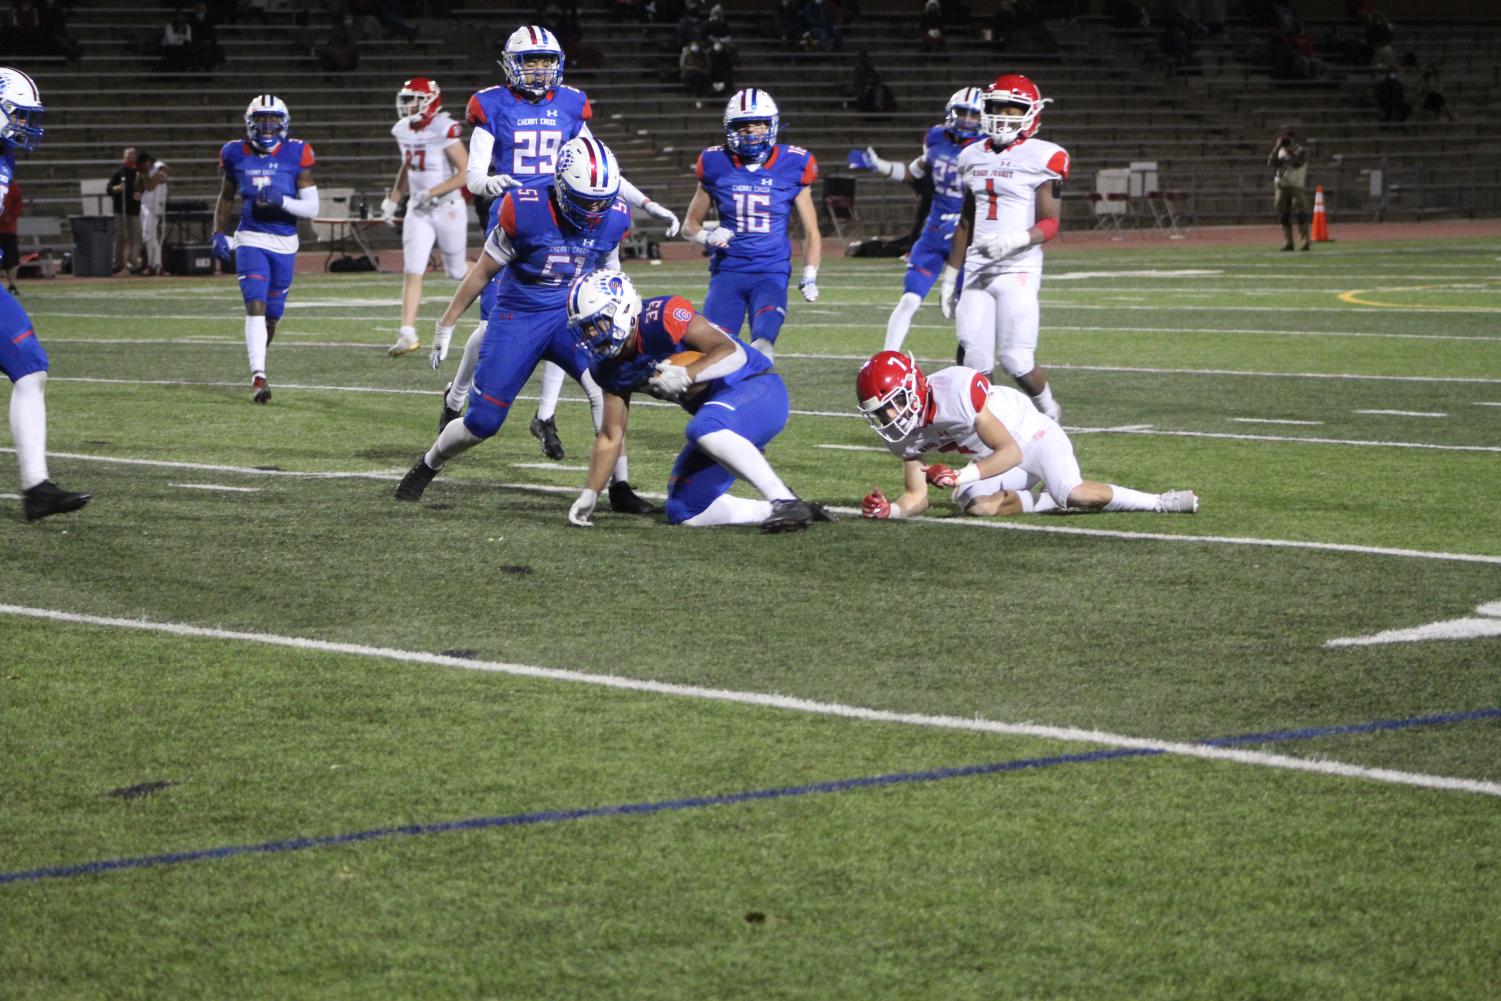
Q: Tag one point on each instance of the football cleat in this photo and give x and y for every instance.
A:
(47, 498)
(416, 480)
(624, 500)
(260, 390)
(1178, 502)
(821, 513)
(546, 432)
(448, 414)
(404, 344)
(790, 515)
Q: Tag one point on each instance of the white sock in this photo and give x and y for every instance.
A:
(552, 387)
(463, 379)
(728, 510)
(764, 346)
(255, 343)
(735, 453)
(28, 427)
(901, 320)
(456, 439)
(622, 472)
(1044, 401)
(406, 333)
(1040, 504)
(1126, 499)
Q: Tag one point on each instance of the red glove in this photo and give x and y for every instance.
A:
(875, 505)
(942, 476)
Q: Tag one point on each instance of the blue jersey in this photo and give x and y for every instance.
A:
(755, 203)
(941, 149)
(547, 254)
(7, 170)
(259, 173)
(664, 323)
(528, 134)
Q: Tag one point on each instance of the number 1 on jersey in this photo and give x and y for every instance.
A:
(990, 190)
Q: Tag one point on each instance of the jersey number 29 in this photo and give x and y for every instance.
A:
(535, 150)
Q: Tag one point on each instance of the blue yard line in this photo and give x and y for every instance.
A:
(698, 802)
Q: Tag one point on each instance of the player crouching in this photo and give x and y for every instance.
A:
(738, 405)
(1014, 447)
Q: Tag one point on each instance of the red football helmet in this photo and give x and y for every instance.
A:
(418, 101)
(893, 394)
(1003, 127)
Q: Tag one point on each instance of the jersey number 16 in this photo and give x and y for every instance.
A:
(752, 213)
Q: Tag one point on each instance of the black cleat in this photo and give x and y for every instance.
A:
(448, 415)
(821, 513)
(791, 515)
(547, 433)
(260, 390)
(959, 355)
(47, 498)
(416, 480)
(624, 500)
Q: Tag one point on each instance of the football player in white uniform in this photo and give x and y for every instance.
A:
(433, 166)
(1012, 187)
(1014, 447)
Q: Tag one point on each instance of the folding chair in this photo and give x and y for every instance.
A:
(1106, 216)
(839, 204)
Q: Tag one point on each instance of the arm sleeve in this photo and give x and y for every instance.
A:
(481, 146)
(632, 194)
(917, 169)
(724, 366)
(584, 131)
(613, 260)
(305, 204)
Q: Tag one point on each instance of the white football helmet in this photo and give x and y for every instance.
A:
(603, 308)
(748, 107)
(267, 121)
(418, 101)
(585, 181)
(964, 102)
(532, 42)
(20, 110)
(1011, 89)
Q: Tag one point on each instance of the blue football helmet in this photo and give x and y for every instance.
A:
(748, 107)
(970, 101)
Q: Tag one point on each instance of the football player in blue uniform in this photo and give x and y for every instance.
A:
(22, 358)
(738, 405)
(753, 183)
(545, 237)
(273, 176)
(518, 130)
(940, 157)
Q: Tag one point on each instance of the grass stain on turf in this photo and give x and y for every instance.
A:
(140, 789)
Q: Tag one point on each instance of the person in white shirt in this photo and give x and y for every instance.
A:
(153, 183)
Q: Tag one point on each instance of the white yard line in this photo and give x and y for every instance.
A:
(784, 702)
(553, 466)
(1402, 413)
(1274, 420)
(216, 486)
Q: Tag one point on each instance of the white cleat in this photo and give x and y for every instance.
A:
(405, 344)
(1178, 502)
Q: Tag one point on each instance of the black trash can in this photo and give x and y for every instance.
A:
(93, 245)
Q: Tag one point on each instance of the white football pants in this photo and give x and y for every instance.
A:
(447, 224)
(1002, 318)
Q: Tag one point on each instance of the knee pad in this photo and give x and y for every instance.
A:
(484, 418)
(1018, 362)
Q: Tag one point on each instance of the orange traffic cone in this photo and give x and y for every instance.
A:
(1320, 232)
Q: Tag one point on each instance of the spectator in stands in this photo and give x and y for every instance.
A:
(690, 26)
(824, 21)
(177, 38)
(124, 187)
(10, 250)
(23, 30)
(341, 53)
(54, 30)
(722, 59)
(1391, 97)
(1432, 99)
(787, 20)
(205, 53)
(153, 183)
(1289, 161)
(1378, 37)
(930, 23)
(718, 26)
(871, 92)
(693, 69)
(385, 12)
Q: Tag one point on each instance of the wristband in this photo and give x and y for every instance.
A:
(896, 511)
(810, 273)
(950, 275)
(701, 237)
(969, 474)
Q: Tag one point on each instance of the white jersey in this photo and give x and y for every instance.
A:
(425, 152)
(155, 199)
(957, 395)
(1004, 186)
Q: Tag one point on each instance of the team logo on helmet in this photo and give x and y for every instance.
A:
(20, 110)
(603, 308)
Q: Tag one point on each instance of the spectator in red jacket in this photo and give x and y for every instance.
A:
(10, 251)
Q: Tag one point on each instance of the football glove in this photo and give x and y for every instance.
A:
(441, 336)
(421, 200)
(583, 509)
(719, 237)
(863, 159)
(659, 211)
(496, 186)
(220, 245)
(388, 211)
(1006, 244)
(942, 476)
(670, 382)
(948, 294)
(875, 505)
(809, 285)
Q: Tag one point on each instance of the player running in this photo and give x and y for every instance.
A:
(941, 146)
(753, 184)
(273, 176)
(433, 165)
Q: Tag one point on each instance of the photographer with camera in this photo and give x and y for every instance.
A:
(1289, 159)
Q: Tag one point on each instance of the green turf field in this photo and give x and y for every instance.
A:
(268, 733)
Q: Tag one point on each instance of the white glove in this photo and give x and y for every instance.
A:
(441, 336)
(421, 200)
(659, 211)
(388, 211)
(717, 237)
(496, 186)
(809, 285)
(583, 508)
(671, 381)
(948, 291)
(1006, 244)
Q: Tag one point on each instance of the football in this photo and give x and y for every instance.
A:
(684, 357)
